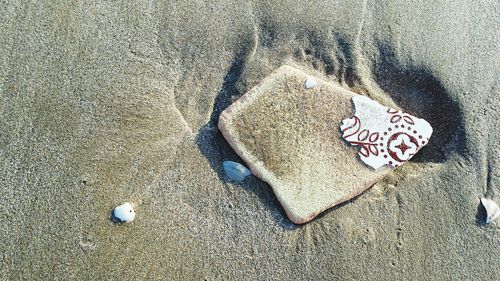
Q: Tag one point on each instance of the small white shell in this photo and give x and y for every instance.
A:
(310, 83)
(124, 212)
(235, 171)
(492, 209)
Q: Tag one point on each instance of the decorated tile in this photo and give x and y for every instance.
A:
(385, 136)
(315, 143)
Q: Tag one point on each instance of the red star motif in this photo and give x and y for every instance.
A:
(402, 146)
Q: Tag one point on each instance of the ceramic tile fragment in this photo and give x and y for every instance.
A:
(289, 137)
(385, 136)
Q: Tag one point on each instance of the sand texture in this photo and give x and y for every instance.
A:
(105, 102)
(289, 137)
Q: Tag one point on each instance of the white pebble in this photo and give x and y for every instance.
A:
(310, 83)
(492, 209)
(124, 212)
(235, 171)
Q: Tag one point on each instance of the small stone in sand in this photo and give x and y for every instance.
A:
(124, 212)
(492, 209)
(310, 83)
(235, 171)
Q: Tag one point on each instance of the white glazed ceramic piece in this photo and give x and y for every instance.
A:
(386, 136)
(310, 83)
(492, 209)
(124, 212)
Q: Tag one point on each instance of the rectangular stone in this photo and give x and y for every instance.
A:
(289, 136)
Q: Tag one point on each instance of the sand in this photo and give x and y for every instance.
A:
(103, 103)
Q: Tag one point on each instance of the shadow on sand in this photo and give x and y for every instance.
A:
(413, 88)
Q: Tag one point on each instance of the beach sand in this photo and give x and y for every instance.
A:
(107, 102)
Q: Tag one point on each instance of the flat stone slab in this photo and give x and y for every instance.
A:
(289, 135)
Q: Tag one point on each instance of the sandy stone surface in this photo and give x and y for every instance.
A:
(289, 136)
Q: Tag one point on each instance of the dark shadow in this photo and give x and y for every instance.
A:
(481, 215)
(336, 56)
(114, 219)
(320, 52)
(418, 92)
(268, 33)
(215, 148)
(346, 60)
